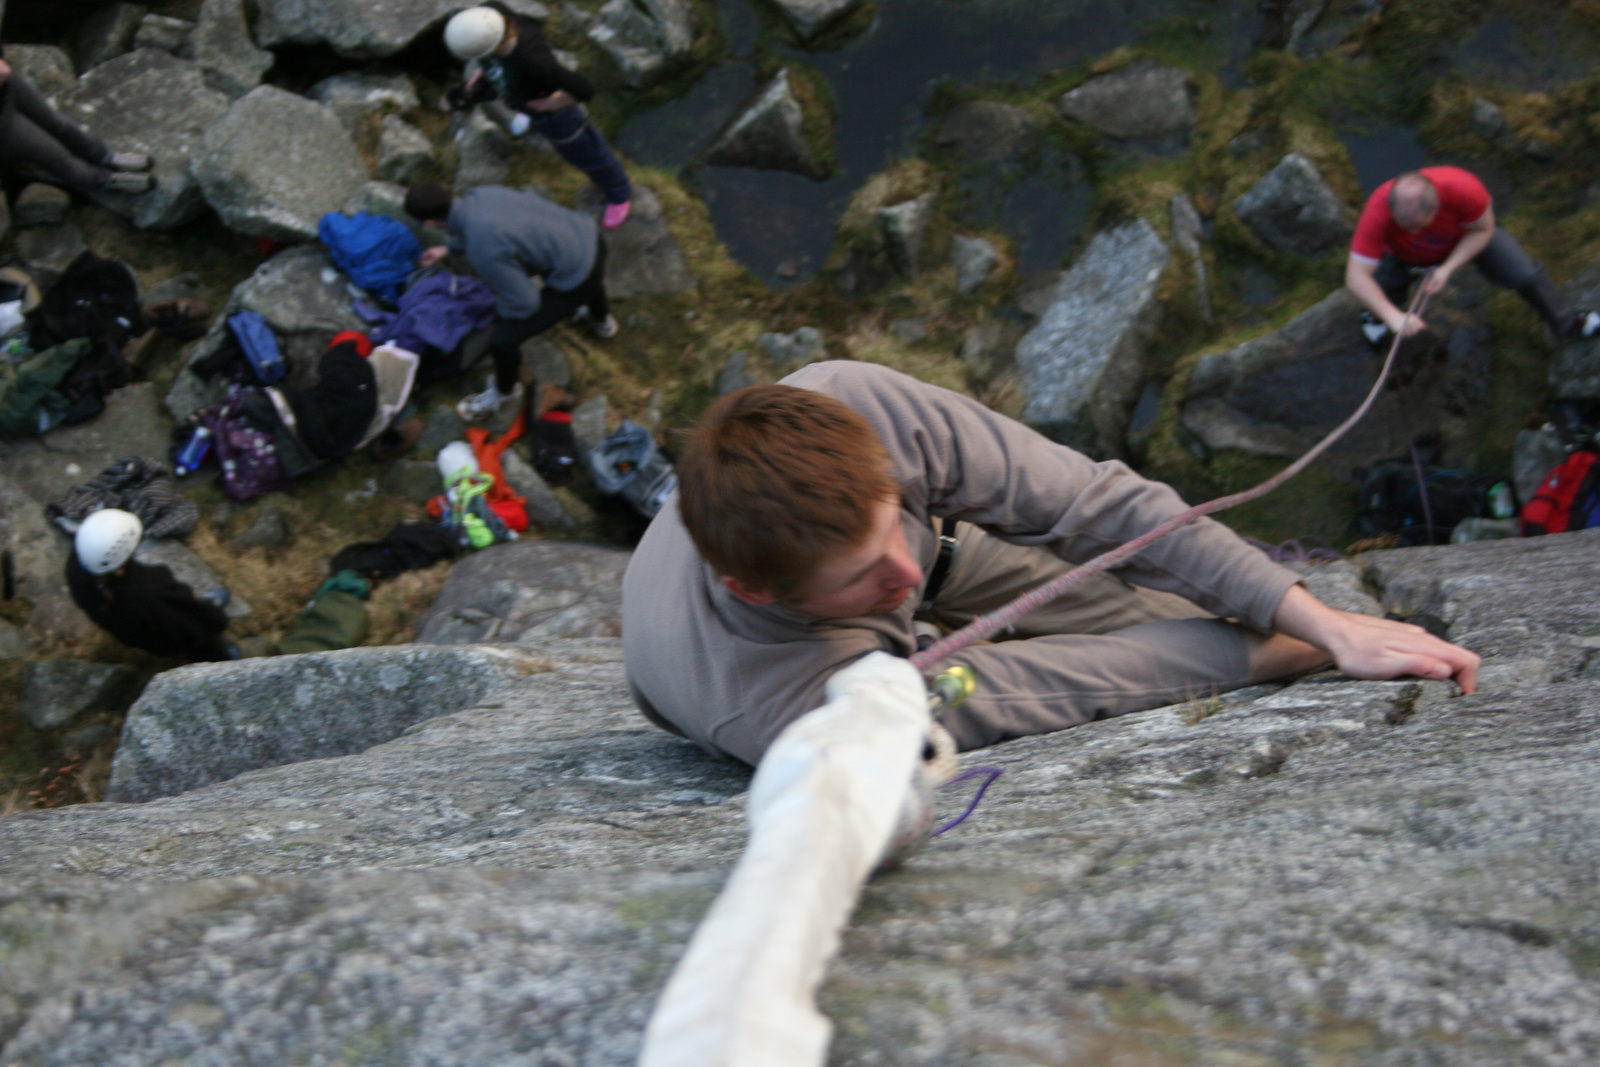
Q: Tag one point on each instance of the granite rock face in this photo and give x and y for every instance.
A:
(647, 39)
(355, 94)
(973, 258)
(56, 691)
(361, 29)
(222, 45)
(160, 31)
(107, 34)
(529, 591)
(1294, 211)
(47, 67)
(40, 205)
(1143, 101)
(402, 149)
(642, 256)
(483, 151)
(904, 225)
(768, 133)
(213, 721)
(149, 101)
(1331, 872)
(1280, 393)
(275, 163)
(1082, 366)
(1575, 372)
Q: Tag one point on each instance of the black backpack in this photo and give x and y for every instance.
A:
(1392, 502)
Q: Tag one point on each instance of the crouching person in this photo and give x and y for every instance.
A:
(144, 607)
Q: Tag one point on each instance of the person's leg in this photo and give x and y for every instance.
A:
(580, 144)
(988, 573)
(1505, 263)
(35, 152)
(591, 292)
(1394, 278)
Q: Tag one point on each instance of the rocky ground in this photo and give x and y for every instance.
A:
(1331, 872)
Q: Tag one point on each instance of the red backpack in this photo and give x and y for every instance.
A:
(1568, 498)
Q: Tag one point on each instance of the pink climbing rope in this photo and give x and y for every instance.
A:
(986, 626)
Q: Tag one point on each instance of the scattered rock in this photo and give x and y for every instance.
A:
(167, 34)
(1037, 291)
(1082, 367)
(303, 298)
(51, 247)
(212, 721)
(106, 34)
(354, 95)
(37, 552)
(1250, 142)
(47, 67)
(974, 258)
(132, 424)
(387, 198)
(402, 150)
(904, 225)
(647, 39)
(361, 29)
(40, 205)
(769, 133)
(1142, 101)
(910, 331)
(416, 480)
(1575, 371)
(483, 152)
(268, 530)
(791, 351)
(528, 591)
(542, 505)
(275, 163)
(809, 18)
(191, 570)
(986, 129)
(1294, 211)
(222, 45)
(1533, 456)
(184, 286)
(1275, 395)
(735, 374)
(56, 691)
(1489, 120)
(149, 101)
(589, 421)
(444, 426)
(15, 641)
(642, 256)
(545, 363)
(980, 346)
(1187, 233)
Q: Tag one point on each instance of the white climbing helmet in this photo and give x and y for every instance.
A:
(455, 457)
(107, 539)
(475, 32)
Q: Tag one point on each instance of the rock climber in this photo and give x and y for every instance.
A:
(509, 59)
(1442, 218)
(43, 146)
(802, 538)
(140, 605)
(544, 262)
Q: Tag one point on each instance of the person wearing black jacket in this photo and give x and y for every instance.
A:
(516, 66)
(38, 142)
(142, 606)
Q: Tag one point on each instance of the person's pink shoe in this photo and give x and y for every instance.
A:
(616, 214)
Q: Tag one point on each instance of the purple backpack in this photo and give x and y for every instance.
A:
(244, 451)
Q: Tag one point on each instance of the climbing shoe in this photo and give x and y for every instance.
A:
(1375, 330)
(616, 214)
(605, 328)
(122, 182)
(129, 161)
(1584, 325)
(480, 406)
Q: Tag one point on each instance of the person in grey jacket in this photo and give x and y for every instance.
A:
(801, 539)
(545, 263)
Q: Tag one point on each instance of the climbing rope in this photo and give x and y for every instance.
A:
(986, 626)
(988, 774)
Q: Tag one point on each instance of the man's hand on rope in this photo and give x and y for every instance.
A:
(1374, 649)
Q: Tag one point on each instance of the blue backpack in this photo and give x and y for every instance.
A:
(376, 251)
(260, 345)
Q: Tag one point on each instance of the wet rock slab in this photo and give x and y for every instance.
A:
(1330, 872)
(1143, 101)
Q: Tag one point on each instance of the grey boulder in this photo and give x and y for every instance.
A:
(361, 29)
(642, 256)
(974, 258)
(768, 133)
(107, 34)
(1294, 211)
(57, 691)
(302, 296)
(47, 67)
(354, 95)
(542, 504)
(149, 101)
(222, 45)
(904, 225)
(791, 351)
(38, 553)
(275, 163)
(213, 721)
(986, 130)
(1143, 101)
(647, 39)
(189, 569)
(529, 591)
(132, 424)
(483, 151)
(809, 18)
(51, 247)
(1279, 393)
(160, 31)
(1082, 366)
(1534, 454)
(402, 149)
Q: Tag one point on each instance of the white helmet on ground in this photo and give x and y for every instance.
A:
(475, 32)
(107, 539)
(455, 457)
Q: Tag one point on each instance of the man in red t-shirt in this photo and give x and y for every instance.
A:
(1441, 218)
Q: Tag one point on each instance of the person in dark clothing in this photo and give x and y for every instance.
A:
(544, 262)
(142, 606)
(515, 65)
(41, 145)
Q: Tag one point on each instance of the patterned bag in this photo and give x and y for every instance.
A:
(245, 452)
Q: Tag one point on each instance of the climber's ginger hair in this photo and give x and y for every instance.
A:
(775, 480)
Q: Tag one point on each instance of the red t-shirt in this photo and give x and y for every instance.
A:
(1462, 199)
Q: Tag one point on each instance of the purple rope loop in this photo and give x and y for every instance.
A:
(986, 626)
(989, 774)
